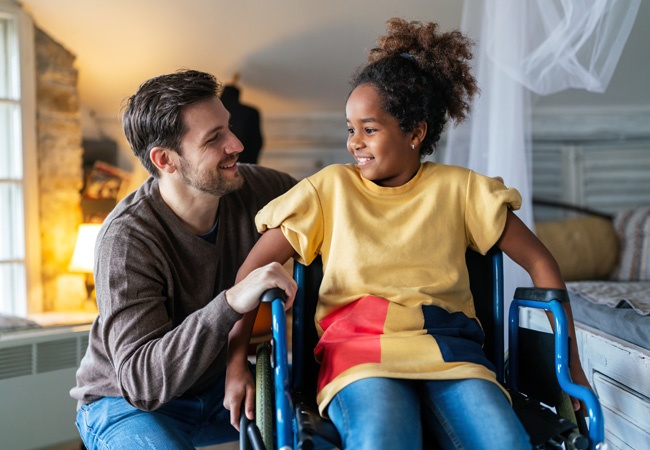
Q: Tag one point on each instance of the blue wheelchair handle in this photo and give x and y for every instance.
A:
(283, 404)
(542, 299)
(271, 294)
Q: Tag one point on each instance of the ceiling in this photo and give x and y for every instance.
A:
(292, 55)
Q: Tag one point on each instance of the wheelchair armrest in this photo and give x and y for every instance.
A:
(552, 300)
(542, 295)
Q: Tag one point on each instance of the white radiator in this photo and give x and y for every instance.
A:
(37, 371)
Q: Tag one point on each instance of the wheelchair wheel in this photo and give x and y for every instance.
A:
(264, 393)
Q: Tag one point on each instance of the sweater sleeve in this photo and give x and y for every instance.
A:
(156, 358)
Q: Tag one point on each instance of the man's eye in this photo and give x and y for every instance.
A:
(350, 131)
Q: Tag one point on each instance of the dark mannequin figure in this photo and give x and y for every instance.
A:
(244, 122)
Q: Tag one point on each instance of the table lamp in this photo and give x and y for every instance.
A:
(83, 259)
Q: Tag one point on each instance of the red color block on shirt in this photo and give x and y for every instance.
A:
(351, 337)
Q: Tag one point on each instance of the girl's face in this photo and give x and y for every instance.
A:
(382, 150)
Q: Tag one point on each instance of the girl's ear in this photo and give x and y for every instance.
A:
(418, 134)
(163, 159)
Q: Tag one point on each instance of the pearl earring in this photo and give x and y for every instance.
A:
(413, 146)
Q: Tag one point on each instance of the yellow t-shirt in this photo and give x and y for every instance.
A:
(395, 298)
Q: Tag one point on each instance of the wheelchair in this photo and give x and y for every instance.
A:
(535, 373)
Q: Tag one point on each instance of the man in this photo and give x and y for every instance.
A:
(154, 373)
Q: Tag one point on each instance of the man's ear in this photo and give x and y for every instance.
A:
(163, 159)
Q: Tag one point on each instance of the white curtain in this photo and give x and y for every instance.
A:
(525, 49)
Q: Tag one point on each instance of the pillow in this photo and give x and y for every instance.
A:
(633, 230)
(585, 248)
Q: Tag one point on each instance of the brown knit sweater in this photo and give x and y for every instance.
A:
(163, 323)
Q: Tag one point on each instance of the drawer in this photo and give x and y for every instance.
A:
(627, 413)
(616, 359)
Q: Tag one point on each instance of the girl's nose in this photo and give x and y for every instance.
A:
(355, 143)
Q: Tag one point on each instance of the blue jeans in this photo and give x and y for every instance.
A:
(184, 423)
(385, 413)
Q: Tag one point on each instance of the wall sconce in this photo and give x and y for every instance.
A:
(83, 259)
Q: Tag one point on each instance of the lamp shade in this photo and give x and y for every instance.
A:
(84, 250)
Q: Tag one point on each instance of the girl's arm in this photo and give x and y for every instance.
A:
(524, 248)
(274, 248)
(271, 247)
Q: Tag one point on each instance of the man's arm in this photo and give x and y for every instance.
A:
(524, 248)
(272, 250)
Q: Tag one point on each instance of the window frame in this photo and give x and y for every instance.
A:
(24, 29)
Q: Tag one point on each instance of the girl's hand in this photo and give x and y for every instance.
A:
(240, 389)
(578, 377)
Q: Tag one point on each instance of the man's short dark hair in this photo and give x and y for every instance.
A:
(152, 116)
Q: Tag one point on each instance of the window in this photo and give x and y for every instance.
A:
(19, 249)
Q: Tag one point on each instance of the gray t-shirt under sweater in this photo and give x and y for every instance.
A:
(163, 321)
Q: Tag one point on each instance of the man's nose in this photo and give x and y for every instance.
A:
(235, 145)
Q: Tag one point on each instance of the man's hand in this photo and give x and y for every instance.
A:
(240, 388)
(245, 295)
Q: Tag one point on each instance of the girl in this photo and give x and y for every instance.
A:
(400, 346)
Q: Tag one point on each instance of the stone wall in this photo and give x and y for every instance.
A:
(60, 172)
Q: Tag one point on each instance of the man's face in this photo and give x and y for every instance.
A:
(209, 149)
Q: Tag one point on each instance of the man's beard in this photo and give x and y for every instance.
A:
(209, 182)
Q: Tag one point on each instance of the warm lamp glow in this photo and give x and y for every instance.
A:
(84, 250)
(83, 259)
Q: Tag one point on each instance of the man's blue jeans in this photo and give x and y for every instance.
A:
(384, 413)
(184, 423)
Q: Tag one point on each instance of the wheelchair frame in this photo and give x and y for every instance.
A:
(286, 429)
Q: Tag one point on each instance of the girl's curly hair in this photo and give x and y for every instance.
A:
(422, 75)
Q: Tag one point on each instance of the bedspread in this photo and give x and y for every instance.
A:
(615, 294)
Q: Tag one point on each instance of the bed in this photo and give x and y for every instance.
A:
(606, 262)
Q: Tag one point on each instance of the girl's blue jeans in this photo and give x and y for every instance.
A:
(185, 423)
(385, 413)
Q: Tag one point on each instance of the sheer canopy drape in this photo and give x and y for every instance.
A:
(525, 49)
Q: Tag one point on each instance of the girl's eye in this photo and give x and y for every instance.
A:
(350, 131)
(370, 130)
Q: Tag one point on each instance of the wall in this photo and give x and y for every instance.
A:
(569, 112)
(60, 170)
